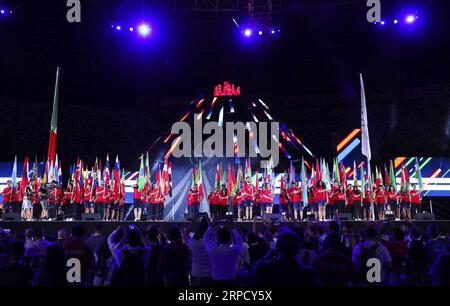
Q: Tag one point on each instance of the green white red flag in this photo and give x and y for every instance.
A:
(53, 123)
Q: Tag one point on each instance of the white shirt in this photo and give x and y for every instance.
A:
(201, 262)
(224, 257)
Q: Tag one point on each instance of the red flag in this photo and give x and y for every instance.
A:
(25, 171)
(53, 123)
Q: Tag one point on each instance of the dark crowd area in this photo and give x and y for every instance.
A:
(217, 253)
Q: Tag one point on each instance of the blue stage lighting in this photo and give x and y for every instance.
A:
(410, 18)
(144, 29)
(395, 21)
(260, 33)
(118, 28)
(131, 29)
(248, 32)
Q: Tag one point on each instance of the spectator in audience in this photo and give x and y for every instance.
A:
(154, 277)
(53, 271)
(371, 248)
(201, 262)
(435, 244)
(75, 247)
(15, 273)
(97, 241)
(224, 253)
(284, 269)
(175, 260)
(440, 271)
(333, 267)
(397, 248)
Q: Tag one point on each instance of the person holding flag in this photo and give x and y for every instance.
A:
(87, 202)
(416, 200)
(405, 199)
(7, 194)
(193, 199)
(320, 195)
(249, 196)
(392, 201)
(223, 201)
(153, 196)
(99, 199)
(357, 202)
(27, 208)
(367, 211)
(17, 198)
(213, 202)
(267, 198)
(380, 201)
(296, 198)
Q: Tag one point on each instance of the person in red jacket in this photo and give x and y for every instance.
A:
(137, 202)
(193, 200)
(213, 202)
(339, 201)
(405, 197)
(100, 193)
(87, 201)
(380, 201)
(249, 197)
(350, 198)
(357, 202)
(67, 202)
(160, 206)
(145, 198)
(17, 197)
(296, 199)
(223, 201)
(367, 211)
(153, 202)
(120, 205)
(237, 204)
(7, 194)
(108, 201)
(266, 198)
(258, 210)
(321, 199)
(313, 208)
(416, 200)
(392, 201)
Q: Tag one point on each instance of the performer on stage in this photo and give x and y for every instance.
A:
(366, 204)
(160, 206)
(339, 201)
(87, 201)
(350, 208)
(7, 194)
(100, 193)
(406, 202)
(357, 204)
(145, 200)
(107, 201)
(416, 200)
(67, 202)
(296, 198)
(153, 202)
(312, 204)
(137, 203)
(249, 197)
(393, 202)
(321, 199)
(193, 200)
(213, 202)
(52, 210)
(113, 197)
(267, 198)
(27, 208)
(237, 204)
(380, 202)
(284, 200)
(17, 198)
(223, 201)
(120, 205)
(43, 200)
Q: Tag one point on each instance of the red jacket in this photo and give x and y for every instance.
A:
(192, 196)
(415, 197)
(249, 191)
(296, 194)
(320, 193)
(223, 199)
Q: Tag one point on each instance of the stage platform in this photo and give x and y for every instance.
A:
(109, 226)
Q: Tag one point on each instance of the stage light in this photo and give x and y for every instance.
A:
(144, 29)
(118, 28)
(395, 21)
(272, 32)
(382, 22)
(410, 18)
(131, 29)
(260, 33)
(2, 12)
(248, 32)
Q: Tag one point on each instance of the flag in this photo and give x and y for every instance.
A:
(355, 174)
(327, 177)
(35, 175)
(25, 171)
(257, 181)
(116, 175)
(218, 175)
(106, 175)
(57, 170)
(169, 171)
(200, 181)
(418, 175)
(248, 168)
(53, 123)
(304, 186)
(392, 180)
(14, 173)
(363, 181)
(147, 170)
(141, 176)
(230, 186)
(387, 181)
(364, 123)
(292, 178)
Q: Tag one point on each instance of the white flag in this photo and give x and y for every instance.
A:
(364, 123)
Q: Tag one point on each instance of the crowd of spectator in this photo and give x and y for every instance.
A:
(221, 254)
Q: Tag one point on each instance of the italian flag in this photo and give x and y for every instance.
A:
(53, 124)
